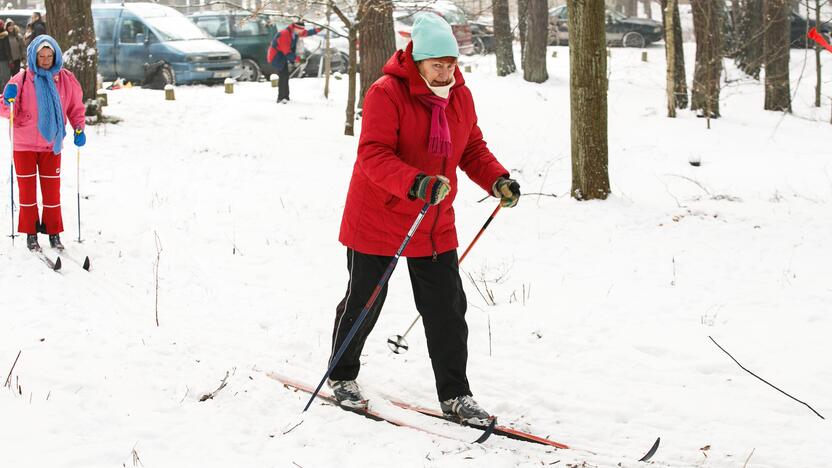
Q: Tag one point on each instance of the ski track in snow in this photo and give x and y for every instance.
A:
(607, 350)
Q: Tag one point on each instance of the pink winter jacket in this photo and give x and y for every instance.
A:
(27, 137)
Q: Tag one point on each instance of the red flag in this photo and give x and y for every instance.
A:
(815, 36)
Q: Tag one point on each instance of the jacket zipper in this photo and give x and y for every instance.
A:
(436, 219)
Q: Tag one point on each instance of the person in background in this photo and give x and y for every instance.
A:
(44, 96)
(38, 27)
(283, 50)
(418, 127)
(17, 46)
(5, 57)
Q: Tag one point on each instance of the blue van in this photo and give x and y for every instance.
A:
(132, 36)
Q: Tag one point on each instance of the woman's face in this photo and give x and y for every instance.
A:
(46, 58)
(437, 72)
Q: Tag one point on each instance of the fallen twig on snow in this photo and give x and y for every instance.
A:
(764, 380)
(747, 459)
(9, 377)
(158, 255)
(210, 396)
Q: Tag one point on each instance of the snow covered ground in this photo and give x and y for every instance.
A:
(598, 338)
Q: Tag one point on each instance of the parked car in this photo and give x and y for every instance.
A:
(249, 35)
(482, 34)
(799, 26)
(621, 30)
(404, 16)
(131, 36)
(20, 17)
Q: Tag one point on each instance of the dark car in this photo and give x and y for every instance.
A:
(482, 34)
(249, 35)
(20, 17)
(621, 30)
(799, 26)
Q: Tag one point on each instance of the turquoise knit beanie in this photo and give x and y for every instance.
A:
(432, 37)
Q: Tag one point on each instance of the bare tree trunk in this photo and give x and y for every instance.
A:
(817, 55)
(70, 23)
(503, 39)
(670, 53)
(776, 56)
(327, 52)
(378, 40)
(522, 21)
(679, 75)
(708, 67)
(749, 53)
(588, 99)
(534, 60)
(352, 33)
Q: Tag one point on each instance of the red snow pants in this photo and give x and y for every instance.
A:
(30, 167)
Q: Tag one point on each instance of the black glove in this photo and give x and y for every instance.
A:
(508, 190)
(432, 189)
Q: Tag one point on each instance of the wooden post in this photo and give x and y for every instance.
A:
(101, 95)
(169, 94)
(229, 86)
(467, 68)
(273, 78)
(554, 54)
(643, 55)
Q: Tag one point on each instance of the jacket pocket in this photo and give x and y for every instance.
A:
(22, 119)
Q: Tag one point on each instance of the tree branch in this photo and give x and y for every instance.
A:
(764, 380)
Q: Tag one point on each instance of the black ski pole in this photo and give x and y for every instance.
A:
(369, 304)
(397, 343)
(78, 190)
(11, 165)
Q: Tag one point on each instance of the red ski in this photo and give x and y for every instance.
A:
(504, 431)
(369, 412)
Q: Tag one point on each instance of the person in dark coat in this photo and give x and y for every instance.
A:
(283, 50)
(17, 46)
(418, 127)
(5, 58)
(38, 27)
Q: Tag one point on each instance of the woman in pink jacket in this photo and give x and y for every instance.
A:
(43, 96)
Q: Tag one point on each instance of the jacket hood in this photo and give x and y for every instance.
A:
(32, 53)
(402, 66)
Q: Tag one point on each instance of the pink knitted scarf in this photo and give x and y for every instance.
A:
(440, 134)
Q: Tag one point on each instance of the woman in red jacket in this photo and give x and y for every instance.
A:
(418, 126)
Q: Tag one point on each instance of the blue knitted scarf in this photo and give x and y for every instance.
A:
(50, 112)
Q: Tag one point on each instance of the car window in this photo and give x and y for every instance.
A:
(405, 18)
(216, 26)
(251, 27)
(616, 16)
(130, 28)
(105, 28)
(454, 16)
(175, 28)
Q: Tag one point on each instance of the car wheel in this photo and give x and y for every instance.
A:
(165, 76)
(251, 71)
(633, 39)
(479, 47)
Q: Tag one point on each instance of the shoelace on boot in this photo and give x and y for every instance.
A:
(467, 403)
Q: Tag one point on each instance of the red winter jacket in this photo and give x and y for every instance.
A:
(393, 150)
